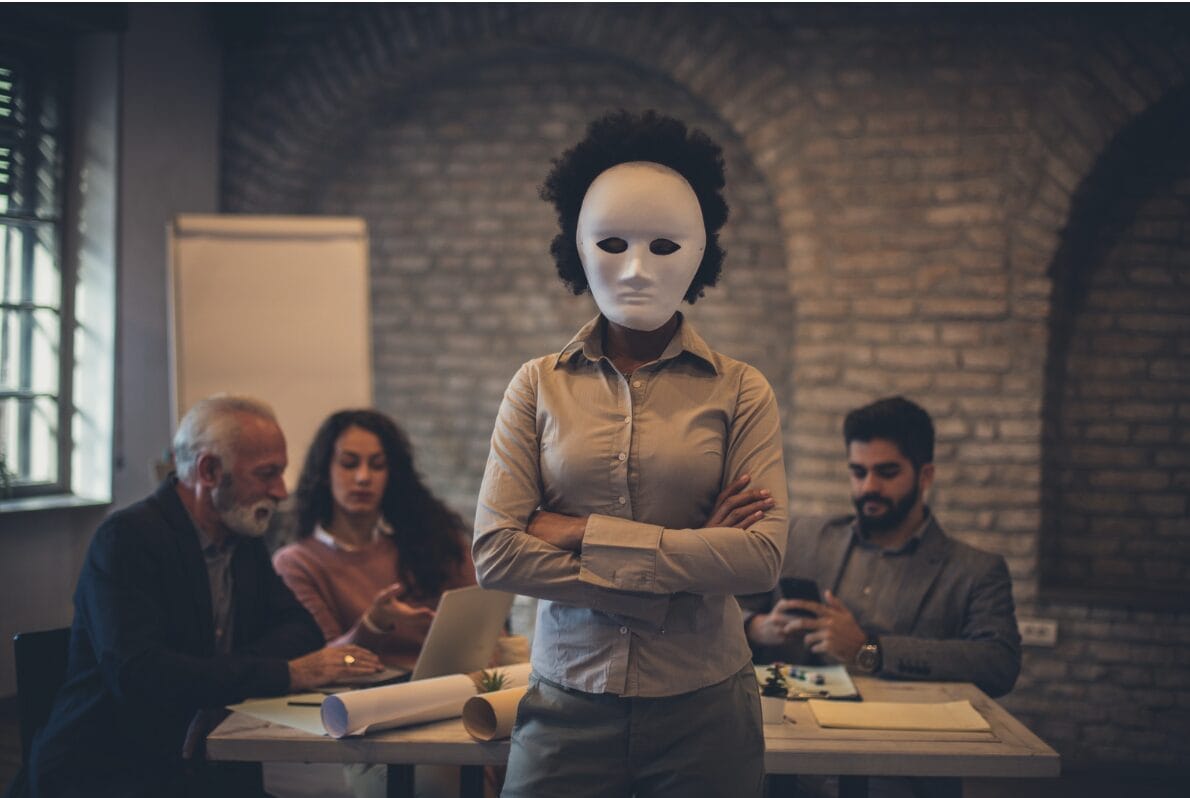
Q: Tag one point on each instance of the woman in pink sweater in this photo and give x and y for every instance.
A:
(375, 548)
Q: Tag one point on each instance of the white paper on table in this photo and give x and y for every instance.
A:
(304, 715)
(896, 715)
(362, 711)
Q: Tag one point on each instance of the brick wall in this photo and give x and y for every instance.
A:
(1123, 461)
(901, 182)
(1116, 514)
(463, 288)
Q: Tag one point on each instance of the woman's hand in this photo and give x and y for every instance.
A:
(388, 611)
(739, 508)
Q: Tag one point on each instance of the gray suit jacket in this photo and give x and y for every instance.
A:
(955, 619)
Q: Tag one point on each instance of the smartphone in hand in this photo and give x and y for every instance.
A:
(795, 588)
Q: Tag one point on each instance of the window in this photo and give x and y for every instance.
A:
(35, 402)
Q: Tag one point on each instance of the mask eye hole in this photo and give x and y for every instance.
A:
(613, 245)
(663, 246)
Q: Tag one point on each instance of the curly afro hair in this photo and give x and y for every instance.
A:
(622, 137)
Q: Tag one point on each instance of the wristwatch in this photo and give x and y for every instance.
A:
(868, 659)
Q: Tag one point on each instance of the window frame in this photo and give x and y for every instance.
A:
(49, 58)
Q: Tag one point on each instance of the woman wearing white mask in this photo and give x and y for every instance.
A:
(615, 491)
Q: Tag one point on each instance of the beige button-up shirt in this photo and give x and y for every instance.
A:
(647, 608)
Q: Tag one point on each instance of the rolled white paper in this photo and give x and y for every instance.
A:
(490, 716)
(386, 707)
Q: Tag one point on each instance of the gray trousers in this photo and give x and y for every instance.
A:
(572, 744)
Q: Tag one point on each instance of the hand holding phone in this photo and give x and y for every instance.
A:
(805, 589)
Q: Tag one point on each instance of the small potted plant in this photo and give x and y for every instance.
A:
(773, 693)
(491, 681)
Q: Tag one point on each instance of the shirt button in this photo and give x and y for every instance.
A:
(621, 457)
(636, 384)
(622, 500)
(623, 630)
(867, 590)
(627, 419)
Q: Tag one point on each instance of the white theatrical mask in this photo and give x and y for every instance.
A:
(641, 239)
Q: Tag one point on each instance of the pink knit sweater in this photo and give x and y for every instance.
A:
(338, 586)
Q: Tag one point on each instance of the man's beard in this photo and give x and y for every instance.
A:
(896, 513)
(250, 520)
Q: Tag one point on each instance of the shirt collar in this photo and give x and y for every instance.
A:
(205, 544)
(908, 547)
(209, 549)
(589, 342)
(322, 536)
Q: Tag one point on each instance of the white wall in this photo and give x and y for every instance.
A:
(167, 87)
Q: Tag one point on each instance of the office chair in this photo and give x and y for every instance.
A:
(41, 670)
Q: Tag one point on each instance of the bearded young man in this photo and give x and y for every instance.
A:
(902, 600)
(178, 612)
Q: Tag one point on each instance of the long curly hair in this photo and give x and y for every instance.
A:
(622, 137)
(428, 534)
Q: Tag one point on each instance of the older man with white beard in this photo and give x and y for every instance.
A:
(178, 612)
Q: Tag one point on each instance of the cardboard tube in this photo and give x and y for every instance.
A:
(490, 716)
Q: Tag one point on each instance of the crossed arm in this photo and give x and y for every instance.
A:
(617, 565)
(735, 507)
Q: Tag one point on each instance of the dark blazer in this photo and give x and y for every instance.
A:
(955, 619)
(142, 653)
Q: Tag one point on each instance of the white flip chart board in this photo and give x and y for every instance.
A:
(274, 307)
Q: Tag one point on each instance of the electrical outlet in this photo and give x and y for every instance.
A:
(1038, 632)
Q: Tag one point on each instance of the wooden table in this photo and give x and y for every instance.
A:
(1008, 750)
(798, 745)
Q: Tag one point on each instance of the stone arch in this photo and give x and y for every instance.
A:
(1102, 78)
(271, 166)
(339, 61)
(1114, 512)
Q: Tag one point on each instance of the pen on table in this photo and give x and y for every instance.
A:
(304, 703)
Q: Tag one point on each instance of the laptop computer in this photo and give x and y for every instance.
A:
(463, 633)
(461, 639)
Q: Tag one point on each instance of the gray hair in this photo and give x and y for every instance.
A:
(210, 426)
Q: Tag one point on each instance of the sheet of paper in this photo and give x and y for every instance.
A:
(895, 715)
(306, 717)
(362, 711)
